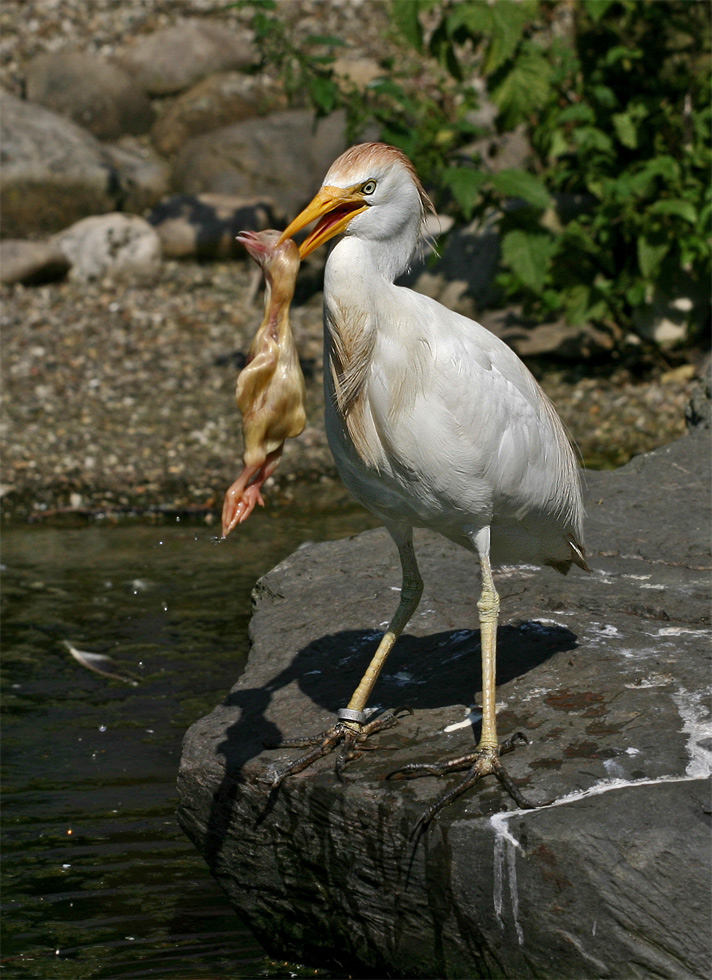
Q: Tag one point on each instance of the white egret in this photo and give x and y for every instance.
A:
(270, 388)
(433, 422)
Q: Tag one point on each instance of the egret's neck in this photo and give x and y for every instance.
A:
(373, 258)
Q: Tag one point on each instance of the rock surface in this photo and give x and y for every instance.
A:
(605, 673)
(217, 101)
(31, 262)
(115, 246)
(248, 158)
(53, 171)
(174, 58)
(90, 90)
(205, 225)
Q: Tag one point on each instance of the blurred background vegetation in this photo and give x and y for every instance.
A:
(609, 219)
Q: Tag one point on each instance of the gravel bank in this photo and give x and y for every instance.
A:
(121, 397)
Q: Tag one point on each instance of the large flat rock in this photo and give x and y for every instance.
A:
(607, 674)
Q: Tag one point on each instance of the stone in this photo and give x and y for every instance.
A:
(606, 673)
(462, 276)
(172, 59)
(358, 72)
(218, 100)
(53, 171)
(98, 95)
(31, 263)
(502, 151)
(115, 246)
(285, 156)
(205, 225)
(699, 409)
(144, 177)
(668, 319)
(559, 340)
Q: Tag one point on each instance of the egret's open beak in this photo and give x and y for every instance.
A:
(336, 206)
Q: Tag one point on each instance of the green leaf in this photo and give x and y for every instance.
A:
(465, 186)
(559, 145)
(588, 138)
(523, 89)
(650, 255)
(596, 9)
(604, 96)
(578, 112)
(323, 93)
(519, 183)
(626, 130)
(405, 16)
(508, 22)
(474, 15)
(582, 303)
(528, 255)
(622, 53)
(675, 206)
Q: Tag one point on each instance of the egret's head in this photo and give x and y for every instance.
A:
(371, 191)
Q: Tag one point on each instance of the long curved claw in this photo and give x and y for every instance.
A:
(351, 734)
(480, 763)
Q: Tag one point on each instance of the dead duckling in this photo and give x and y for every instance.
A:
(270, 389)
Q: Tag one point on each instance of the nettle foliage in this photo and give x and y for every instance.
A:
(613, 210)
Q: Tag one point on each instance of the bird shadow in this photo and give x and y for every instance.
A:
(427, 672)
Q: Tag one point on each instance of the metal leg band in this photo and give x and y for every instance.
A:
(348, 714)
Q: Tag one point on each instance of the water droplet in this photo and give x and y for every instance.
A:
(164, 606)
(102, 728)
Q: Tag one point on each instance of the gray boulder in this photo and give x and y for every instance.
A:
(174, 58)
(606, 673)
(96, 94)
(54, 172)
(218, 100)
(205, 225)
(31, 263)
(285, 156)
(699, 410)
(144, 177)
(115, 246)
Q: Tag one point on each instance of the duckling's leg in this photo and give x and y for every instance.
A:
(245, 493)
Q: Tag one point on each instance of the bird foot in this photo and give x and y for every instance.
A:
(238, 506)
(350, 734)
(482, 762)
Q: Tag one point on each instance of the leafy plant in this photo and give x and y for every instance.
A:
(614, 98)
(305, 69)
(613, 212)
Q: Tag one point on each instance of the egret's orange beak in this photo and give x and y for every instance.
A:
(336, 206)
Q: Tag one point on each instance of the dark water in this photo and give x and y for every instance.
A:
(98, 880)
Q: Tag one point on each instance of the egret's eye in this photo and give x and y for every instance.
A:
(369, 187)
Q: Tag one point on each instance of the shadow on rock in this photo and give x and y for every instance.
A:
(427, 672)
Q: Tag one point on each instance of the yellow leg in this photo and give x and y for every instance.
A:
(488, 607)
(411, 591)
(484, 761)
(353, 728)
